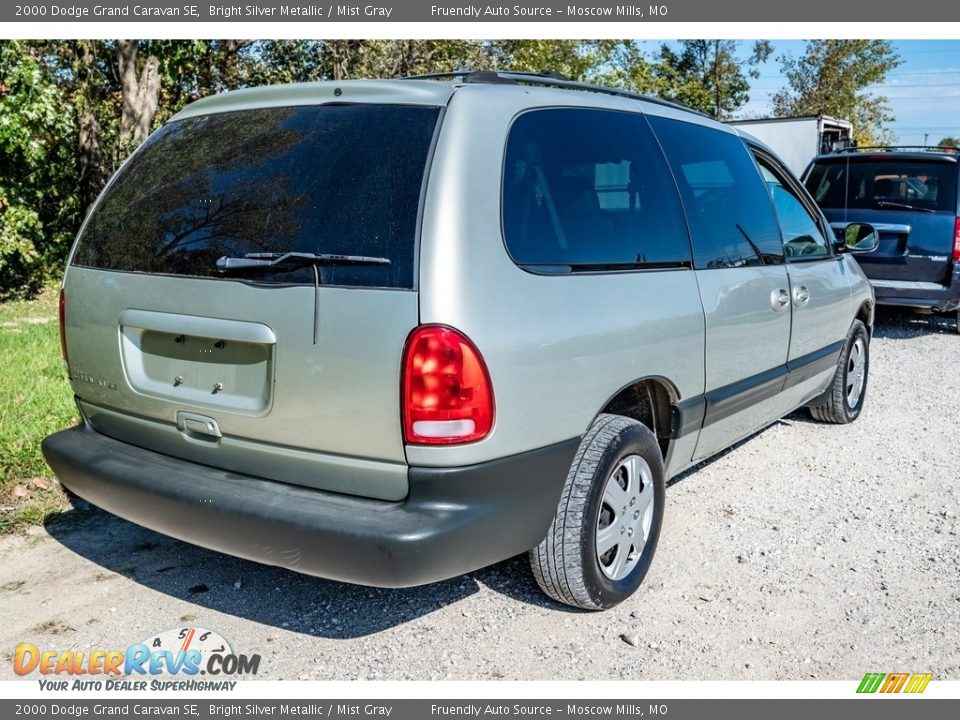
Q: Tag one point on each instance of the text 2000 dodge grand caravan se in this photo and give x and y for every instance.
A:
(389, 332)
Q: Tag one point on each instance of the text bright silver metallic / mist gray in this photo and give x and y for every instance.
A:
(264, 417)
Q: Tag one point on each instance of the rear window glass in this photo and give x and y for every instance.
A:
(884, 184)
(330, 179)
(589, 189)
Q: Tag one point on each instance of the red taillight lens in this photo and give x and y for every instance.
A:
(62, 312)
(447, 395)
(956, 240)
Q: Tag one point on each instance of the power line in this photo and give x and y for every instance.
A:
(921, 85)
(924, 72)
(911, 73)
(896, 98)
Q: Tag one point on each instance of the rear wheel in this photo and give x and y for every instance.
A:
(602, 540)
(849, 387)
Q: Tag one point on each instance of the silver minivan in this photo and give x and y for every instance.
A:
(389, 332)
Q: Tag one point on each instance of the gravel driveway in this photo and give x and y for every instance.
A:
(808, 551)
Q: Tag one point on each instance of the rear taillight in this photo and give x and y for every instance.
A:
(956, 240)
(447, 395)
(61, 313)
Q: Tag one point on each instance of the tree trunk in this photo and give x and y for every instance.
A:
(345, 57)
(140, 96)
(89, 146)
(341, 61)
(91, 160)
(718, 93)
(231, 64)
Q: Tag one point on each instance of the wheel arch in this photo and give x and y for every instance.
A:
(650, 401)
(865, 313)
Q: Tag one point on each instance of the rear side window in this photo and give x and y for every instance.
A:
(337, 179)
(727, 205)
(589, 189)
(884, 184)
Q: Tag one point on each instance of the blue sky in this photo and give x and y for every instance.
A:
(923, 92)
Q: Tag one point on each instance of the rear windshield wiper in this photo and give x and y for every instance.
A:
(902, 206)
(274, 261)
(264, 262)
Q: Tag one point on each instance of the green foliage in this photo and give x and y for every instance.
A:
(66, 106)
(832, 78)
(629, 68)
(949, 142)
(275, 61)
(581, 60)
(36, 206)
(709, 75)
(285, 61)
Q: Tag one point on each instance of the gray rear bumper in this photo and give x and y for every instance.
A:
(454, 520)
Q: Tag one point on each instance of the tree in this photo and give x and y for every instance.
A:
(139, 94)
(629, 68)
(37, 206)
(87, 102)
(709, 75)
(833, 77)
(272, 61)
(71, 111)
(581, 60)
(949, 142)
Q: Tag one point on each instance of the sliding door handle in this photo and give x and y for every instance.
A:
(779, 299)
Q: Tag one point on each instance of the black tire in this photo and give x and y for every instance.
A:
(566, 564)
(838, 408)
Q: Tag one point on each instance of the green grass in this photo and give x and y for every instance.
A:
(35, 400)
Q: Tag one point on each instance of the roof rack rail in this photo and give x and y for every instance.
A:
(545, 79)
(489, 76)
(874, 148)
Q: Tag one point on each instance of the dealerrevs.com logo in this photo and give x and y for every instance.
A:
(170, 660)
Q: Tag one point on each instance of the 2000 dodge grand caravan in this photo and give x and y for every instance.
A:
(392, 331)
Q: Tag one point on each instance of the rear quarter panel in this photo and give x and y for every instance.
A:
(557, 347)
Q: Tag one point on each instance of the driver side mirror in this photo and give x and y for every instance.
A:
(859, 238)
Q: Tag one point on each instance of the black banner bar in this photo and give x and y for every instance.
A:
(420, 11)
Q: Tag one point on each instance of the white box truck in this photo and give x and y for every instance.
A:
(797, 140)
